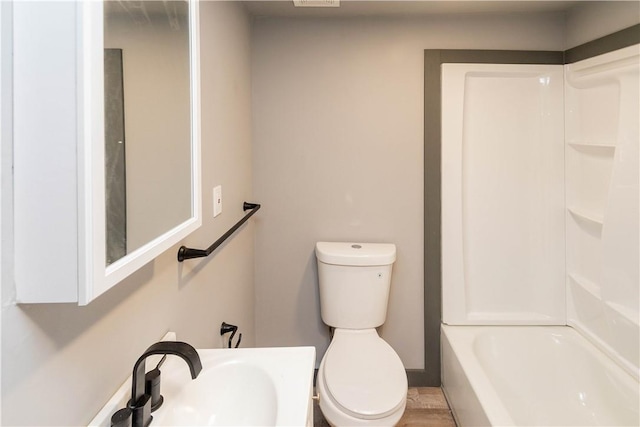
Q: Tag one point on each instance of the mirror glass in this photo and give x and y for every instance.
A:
(148, 170)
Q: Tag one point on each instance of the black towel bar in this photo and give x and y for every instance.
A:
(188, 253)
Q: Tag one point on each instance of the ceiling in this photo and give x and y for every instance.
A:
(353, 8)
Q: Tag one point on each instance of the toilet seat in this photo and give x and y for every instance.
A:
(363, 375)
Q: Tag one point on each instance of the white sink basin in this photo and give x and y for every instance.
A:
(237, 387)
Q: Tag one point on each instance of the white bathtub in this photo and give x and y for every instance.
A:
(533, 376)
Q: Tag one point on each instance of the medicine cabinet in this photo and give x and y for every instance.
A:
(66, 222)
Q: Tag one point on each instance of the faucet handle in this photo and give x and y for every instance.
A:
(152, 385)
(152, 388)
(141, 411)
(122, 418)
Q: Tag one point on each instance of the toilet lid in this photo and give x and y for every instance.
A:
(364, 375)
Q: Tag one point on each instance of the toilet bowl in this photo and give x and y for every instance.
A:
(361, 380)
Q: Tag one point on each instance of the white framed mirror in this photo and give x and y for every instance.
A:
(59, 142)
(145, 193)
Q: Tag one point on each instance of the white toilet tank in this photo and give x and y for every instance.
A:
(354, 281)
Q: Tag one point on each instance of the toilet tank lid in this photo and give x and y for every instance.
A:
(356, 254)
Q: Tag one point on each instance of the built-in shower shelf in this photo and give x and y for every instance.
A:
(588, 217)
(627, 313)
(593, 146)
(586, 284)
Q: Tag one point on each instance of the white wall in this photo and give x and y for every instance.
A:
(338, 154)
(589, 20)
(61, 362)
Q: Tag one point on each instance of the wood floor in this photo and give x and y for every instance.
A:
(426, 407)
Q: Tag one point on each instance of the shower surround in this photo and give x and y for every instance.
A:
(540, 261)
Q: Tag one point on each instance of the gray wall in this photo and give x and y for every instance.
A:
(588, 20)
(61, 362)
(338, 154)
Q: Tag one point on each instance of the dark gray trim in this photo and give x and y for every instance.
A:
(433, 59)
(618, 40)
(416, 377)
(501, 56)
(432, 269)
(420, 378)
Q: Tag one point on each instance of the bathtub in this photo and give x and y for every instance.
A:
(533, 376)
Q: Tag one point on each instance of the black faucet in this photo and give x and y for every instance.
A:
(139, 407)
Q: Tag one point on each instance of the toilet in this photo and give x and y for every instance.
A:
(361, 380)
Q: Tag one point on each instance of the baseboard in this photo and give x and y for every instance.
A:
(416, 377)
(422, 378)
